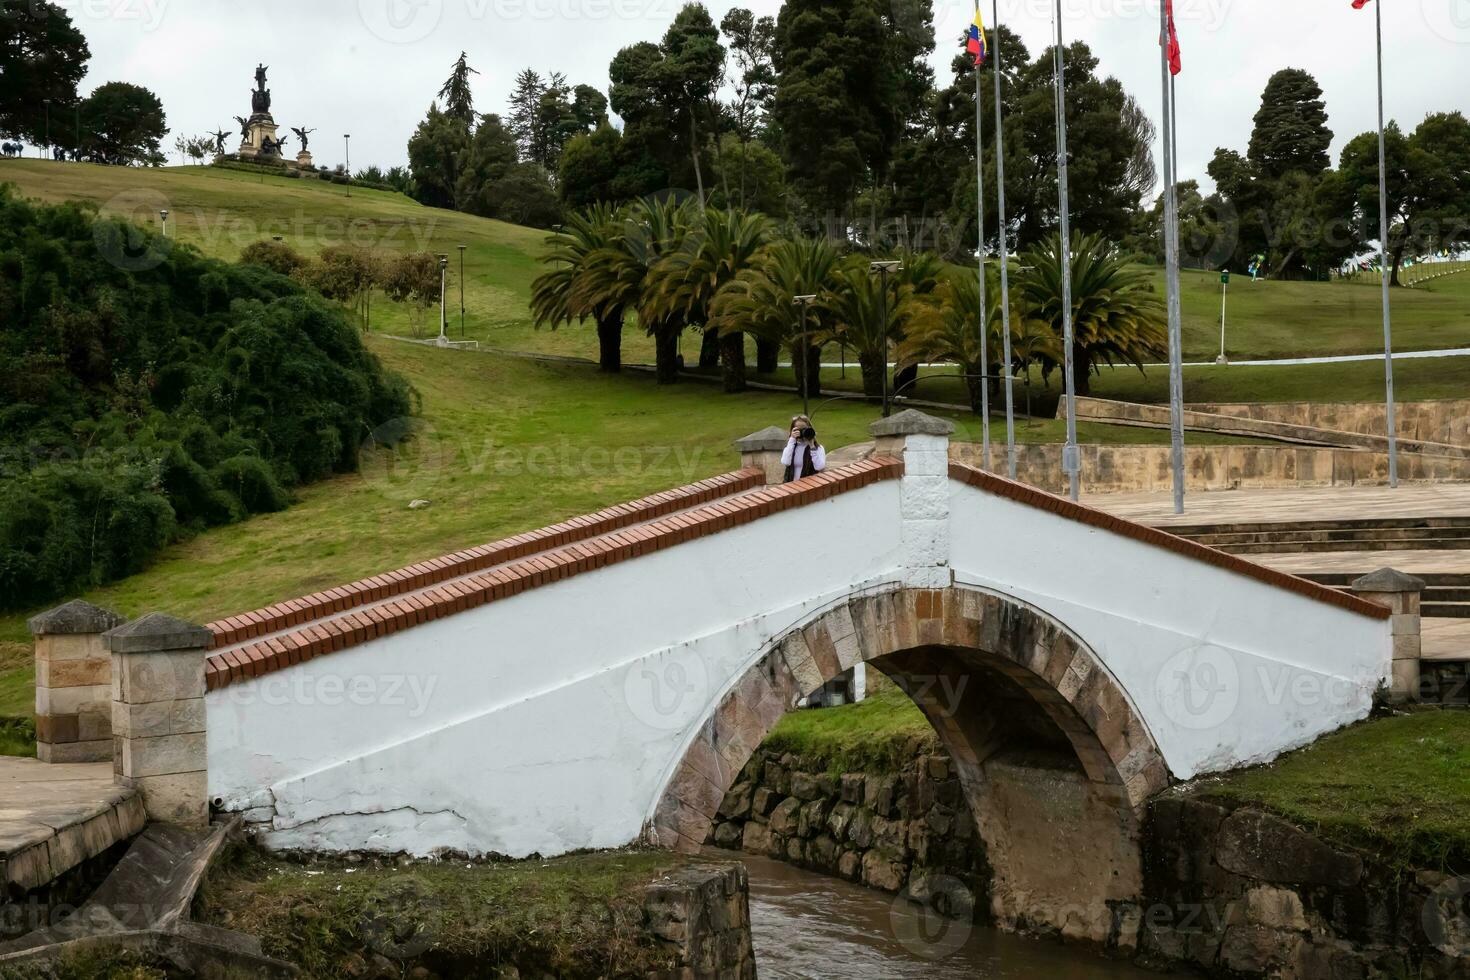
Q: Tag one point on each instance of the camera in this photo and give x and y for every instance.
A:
(808, 433)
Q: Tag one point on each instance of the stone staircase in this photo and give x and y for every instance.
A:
(1370, 534)
(1446, 596)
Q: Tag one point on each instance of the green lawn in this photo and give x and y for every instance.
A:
(1396, 786)
(222, 211)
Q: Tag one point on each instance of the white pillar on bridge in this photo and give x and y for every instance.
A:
(922, 442)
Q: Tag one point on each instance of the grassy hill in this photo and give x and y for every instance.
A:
(221, 211)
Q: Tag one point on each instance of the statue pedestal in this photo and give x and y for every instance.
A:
(261, 126)
(303, 160)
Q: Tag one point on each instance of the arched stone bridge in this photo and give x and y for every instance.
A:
(603, 681)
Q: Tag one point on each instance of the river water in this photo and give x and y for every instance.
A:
(814, 927)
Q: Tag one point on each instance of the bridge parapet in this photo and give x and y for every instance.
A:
(73, 683)
(1400, 594)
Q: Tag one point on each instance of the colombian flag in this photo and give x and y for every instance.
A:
(975, 43)
(1359, 4)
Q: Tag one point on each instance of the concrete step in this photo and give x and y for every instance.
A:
(1347, 535)
(1445, 610)
(1453, 581)
(1389, 544)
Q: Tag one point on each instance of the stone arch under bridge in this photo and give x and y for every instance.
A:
(991, 674)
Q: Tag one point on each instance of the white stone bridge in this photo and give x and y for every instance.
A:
(603, 681)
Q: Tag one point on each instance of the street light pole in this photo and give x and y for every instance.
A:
(347, 142)
(163, 216)
(884, 269)
(1071, 456)
(461, 291)
(443, 314)
(48, 127)
(1393, 436)
(805, 354)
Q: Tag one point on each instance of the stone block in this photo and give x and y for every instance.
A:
(1259, 845)
(1405, 624)
(75, 672)
(164, 755)
(786, 816)
(165, 676)
(799, 661)
(68, 753)
(66, 700)
(1407, 680)
(1407, 647)
(1275, 908)
(178, 798)
(95, 723)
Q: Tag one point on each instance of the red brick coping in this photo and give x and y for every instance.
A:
(294, 612)
(579, 545)
(1061, 506)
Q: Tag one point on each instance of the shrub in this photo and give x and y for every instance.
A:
(147, 393)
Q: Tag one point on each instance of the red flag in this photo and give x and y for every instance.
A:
(1176, 59)
(1359, 4)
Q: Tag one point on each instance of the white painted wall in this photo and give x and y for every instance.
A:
(1225, 669)
(552, 721)
(549, 721)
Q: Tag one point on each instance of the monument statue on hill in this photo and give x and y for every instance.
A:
(302, 134)
(260, 99)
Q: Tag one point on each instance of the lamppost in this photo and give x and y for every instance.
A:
(163, 214)
(443, 315)
(802, 302)
(884, 270)
(48, 126)
(347, 142)
(461, 291)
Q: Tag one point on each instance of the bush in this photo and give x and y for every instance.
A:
(147, 393)
(278, 257)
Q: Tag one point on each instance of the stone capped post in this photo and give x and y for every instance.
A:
(1401, 594)
(158, 716)
(73, 683)
(762, 450)
(922, 442)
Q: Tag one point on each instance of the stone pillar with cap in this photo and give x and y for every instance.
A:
(762, 450)
(158, 716)
(1401, 593)
(73, 683)
(922, 442)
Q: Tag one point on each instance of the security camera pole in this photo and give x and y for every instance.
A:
(884, 270)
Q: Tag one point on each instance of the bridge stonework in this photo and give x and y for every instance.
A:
(1065, 679)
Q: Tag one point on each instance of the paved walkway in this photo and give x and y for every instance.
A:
(54, 817)
(1304, 504)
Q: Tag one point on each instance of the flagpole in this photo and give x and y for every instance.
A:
(1071, 461)
(1393, 436)
(1005, 276)
(980, 254)
(1171, 265)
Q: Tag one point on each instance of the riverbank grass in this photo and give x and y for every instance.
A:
(1394, 786)
(580, 915)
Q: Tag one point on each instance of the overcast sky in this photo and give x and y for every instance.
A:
(371, 67)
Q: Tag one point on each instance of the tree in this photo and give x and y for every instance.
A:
(413, 278)
(42, 59)
(1290, 133)
(1428, 185)
(436, 155)
(525, 102)
(603, 166)
(752, 45)
(761, 301)
(946, 330)
(278, 257)
(851, 74)
(459, 102)
(555, 296)
(124, 125)
(492, 154)
(347, 274)
(665, 93)
(1117, 317)
(619, 274)
(858, 314)
(683, 285)
(523, 196)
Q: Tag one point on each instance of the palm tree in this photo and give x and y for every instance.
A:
(1033, 342)
(1117, 316)
(922, 273)
(946, 329)
(684, 283)
(552, 292)
(620, 273)
(761, 301)
(854, 310)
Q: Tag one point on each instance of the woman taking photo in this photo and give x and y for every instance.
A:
(804, 455)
